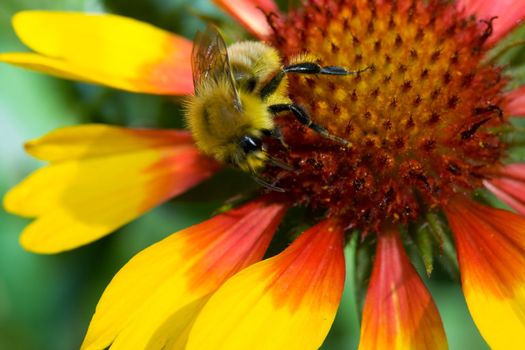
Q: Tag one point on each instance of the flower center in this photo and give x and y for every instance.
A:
(420, 121)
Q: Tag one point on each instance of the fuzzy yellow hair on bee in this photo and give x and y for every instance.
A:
(238, 91)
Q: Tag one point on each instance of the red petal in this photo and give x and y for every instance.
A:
(515, 102)
(510, 186)
(251, 14)
(399, 312)
(510, 13)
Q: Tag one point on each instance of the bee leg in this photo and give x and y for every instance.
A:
(304, 68)
(272, 85)
(302, 116)
(314, 68)
(277, 134)
(276, 162)
(266, 184)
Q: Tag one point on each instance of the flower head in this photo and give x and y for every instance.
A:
(425, 122)
(419, 120)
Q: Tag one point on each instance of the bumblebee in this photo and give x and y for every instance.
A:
(238, 91)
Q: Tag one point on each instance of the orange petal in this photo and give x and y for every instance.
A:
(104, 49)
(154, 298)
(509, 187)
(399, 312)
(514, 104)
(100, 178)
(491, 252)
(286, 302)
(251, 14)
(510, 14)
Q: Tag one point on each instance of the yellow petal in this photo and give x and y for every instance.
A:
(105, 49)
(286, 302)
(54, 67)
(98, 140)
(100, 178)
(153, 300)
(399, 313)
(491, 253)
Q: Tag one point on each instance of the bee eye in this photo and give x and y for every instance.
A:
(250, 144)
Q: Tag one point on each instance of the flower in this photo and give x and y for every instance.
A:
(427, 125)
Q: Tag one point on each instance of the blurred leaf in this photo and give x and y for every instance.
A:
(365, 256)
(509, 51)
(344, 334)
(442, 238)
(425, 246)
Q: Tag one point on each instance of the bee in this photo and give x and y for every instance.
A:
(238, 91)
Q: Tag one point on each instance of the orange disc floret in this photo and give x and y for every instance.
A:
(420, 120)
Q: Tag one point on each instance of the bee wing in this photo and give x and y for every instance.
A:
(210, 61)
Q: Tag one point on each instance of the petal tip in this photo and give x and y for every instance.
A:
(13, 201)
(22, 19)
(31, 146)
(10, 57)
(19, 17)
(33, 241)
(27, 242)
(8, 202)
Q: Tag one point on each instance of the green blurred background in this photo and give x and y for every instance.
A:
(46, 301)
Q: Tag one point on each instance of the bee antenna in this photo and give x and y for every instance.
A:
(276, 162)
(268, 185)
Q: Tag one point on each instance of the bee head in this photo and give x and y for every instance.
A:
(250, 144)
(253, 157)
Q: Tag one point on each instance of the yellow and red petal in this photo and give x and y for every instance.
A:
(399, 312)
(154, 298)
(105, 49)
(286, 302)
(509, 13)
(509, 186)
(514, 104)
(101, 177)
(251, 14)
(490, 244)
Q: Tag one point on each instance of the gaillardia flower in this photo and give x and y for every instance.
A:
(427, 125)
